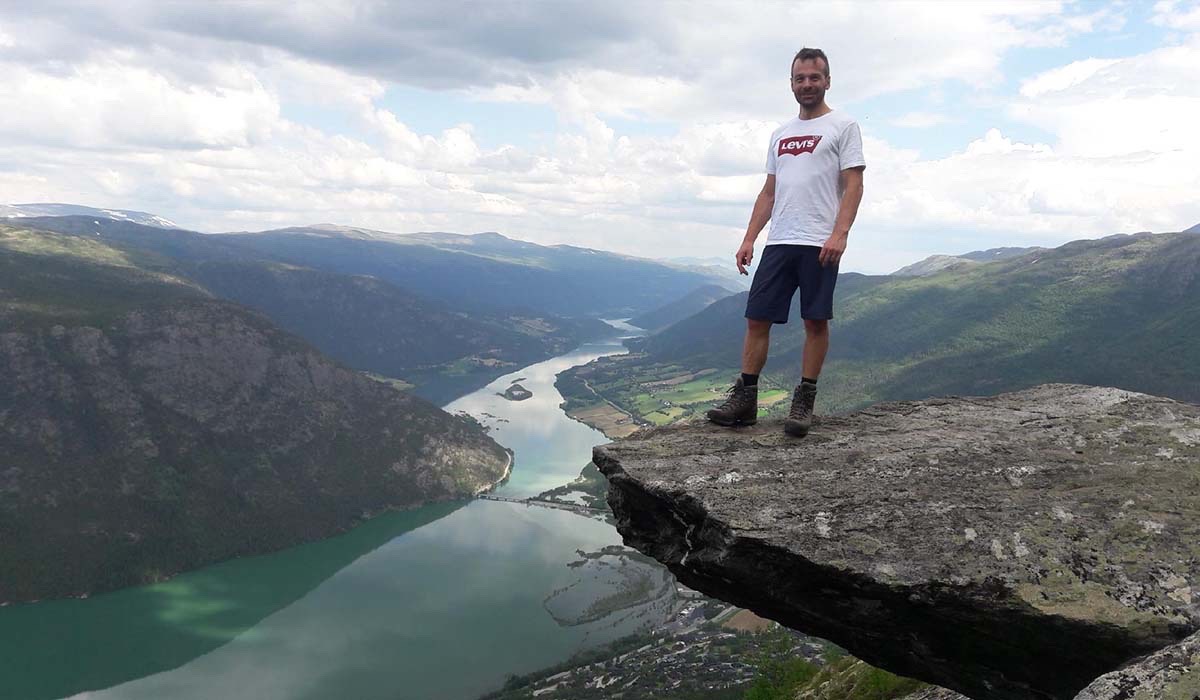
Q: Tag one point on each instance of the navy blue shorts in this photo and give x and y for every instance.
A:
(782, 270)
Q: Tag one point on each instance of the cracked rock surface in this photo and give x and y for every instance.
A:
(1017, 546)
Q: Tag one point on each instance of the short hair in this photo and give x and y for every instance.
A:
(807, 54)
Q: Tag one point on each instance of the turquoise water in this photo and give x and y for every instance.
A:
(444, 601)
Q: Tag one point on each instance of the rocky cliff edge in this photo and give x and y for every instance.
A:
(1018, 546)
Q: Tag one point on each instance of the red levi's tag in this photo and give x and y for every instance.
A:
(795, 145)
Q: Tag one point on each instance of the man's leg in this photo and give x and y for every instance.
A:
(816, 344)
(755, 346)
(817, 283)
(768, 302)
(741, 406)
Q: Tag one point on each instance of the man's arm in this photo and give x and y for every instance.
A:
(852, 192)
(758, 218)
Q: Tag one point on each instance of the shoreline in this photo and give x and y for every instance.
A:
(508, 467)
(600, 413)
(613, 430)
(612, 421)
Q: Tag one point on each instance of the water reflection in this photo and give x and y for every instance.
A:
(56, 648)
(446, 611)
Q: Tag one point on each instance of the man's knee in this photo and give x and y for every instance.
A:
(756, 326)
(816, 327)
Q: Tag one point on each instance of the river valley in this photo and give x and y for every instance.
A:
(444, 601)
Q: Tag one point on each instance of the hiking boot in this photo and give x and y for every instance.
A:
(740, 407)
(799, 418)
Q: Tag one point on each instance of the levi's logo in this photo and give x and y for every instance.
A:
(795, 145)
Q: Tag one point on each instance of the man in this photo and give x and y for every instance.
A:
(811, 196)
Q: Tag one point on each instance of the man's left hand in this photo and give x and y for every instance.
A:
(831, 252)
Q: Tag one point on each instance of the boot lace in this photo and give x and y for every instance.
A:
(735, 398)
(801, 404)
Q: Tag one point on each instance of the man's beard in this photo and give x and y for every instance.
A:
(812, 97)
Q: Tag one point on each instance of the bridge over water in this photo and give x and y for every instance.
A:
(560, 505)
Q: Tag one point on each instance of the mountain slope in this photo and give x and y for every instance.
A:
(148, 428)
(723, 271)
(361, 321)
(1119, 311)
(372, 325)
(690, 304)
(485, 271)
(49, 209)
(997, 254)
(937, 263)
(933, 265)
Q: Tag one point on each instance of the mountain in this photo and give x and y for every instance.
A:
(12, 211)
(485, 271)
(691, 303)
(372, 325)
(722, 268)
(1194, 229)
(937, 263)
(995, 254)
(149, 427)
(933, 265)
(364, 322)
(1118, 311)
(701, 262)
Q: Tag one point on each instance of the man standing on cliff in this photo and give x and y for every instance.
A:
(811, 196)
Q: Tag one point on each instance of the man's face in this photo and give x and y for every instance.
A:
(809, 81)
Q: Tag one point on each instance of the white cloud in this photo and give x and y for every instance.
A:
(1110, 19)
(1012, 193)
(1122, 160)
(1177, 15)
(1142, 104)
(199, 133)
(299, 81)
(1064, 78)
(113, 103)
(677, 77)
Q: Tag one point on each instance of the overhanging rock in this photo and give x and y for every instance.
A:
(1017, 546)
(1172, 673)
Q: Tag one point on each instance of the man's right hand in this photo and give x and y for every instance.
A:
(744, 255)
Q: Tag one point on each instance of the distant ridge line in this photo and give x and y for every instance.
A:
(34, 209)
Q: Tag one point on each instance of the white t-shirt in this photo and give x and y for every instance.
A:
(807, 157)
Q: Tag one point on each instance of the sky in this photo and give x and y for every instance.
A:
(636, 127)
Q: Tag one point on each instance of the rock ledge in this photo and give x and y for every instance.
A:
(1017, 546)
